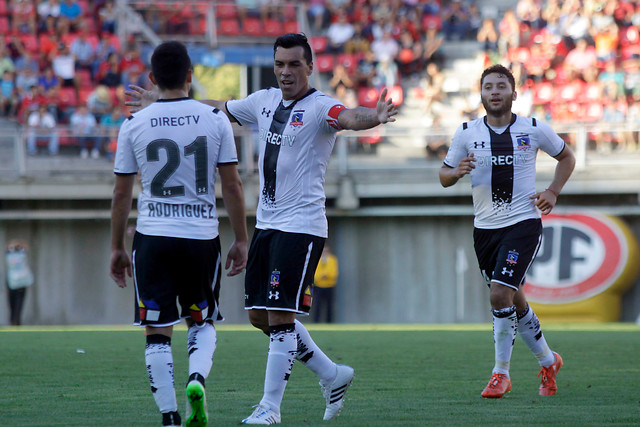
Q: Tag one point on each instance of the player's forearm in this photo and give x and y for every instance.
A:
(564, 169)
(120, 207)
(233, 197)
(358, 118)
(448, 176)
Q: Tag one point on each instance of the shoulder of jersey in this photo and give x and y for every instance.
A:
(472, 123)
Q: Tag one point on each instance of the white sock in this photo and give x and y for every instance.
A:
(529, 330)
(505, 323)
(159, 360)
(201, 344)
(282, 353)
(312, 357)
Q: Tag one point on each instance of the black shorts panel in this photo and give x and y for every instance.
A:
(280, 270)
(505, 254)
(176, 278)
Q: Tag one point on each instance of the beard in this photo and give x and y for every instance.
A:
(497, 111)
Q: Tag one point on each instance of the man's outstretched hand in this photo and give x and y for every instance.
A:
(140, 98)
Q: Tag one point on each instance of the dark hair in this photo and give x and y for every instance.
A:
(499, 69)
(290, 40)
(170, 64)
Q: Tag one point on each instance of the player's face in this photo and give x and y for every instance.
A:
(292, 72)
(497, 94)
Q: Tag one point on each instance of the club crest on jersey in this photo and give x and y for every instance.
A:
(275, 278)
(512, 257)
(296, 118)
(523, 142)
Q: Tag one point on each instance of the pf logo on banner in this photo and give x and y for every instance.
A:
(582, 255)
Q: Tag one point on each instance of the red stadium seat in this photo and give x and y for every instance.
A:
(83, 95)
(273, 27)
(543, 93)
(290, 27)
(252, 27)
(30, 42)
(4, 10)
(368, 97)
(319, 44)
(325, 63)
(226, 11)
(349, 61)
(84, 76)
(4, 25)
(396, 94)
(228, 27)
(570, 91)
(67, 97)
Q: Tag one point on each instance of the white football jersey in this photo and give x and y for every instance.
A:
(505, 172)
(176, 144)
(295, 143)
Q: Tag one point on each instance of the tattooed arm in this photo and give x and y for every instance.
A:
(365, 118)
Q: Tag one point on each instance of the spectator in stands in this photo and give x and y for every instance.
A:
(386, 73)
(108, 17)
(23, 17)
(612, 79)
(41, 125)
(529, 13)
(606, 43)
(109, 73)
(48, 9)
(475, 21)
(47, 80)
(574, 22)
(410, 57)
(29, 102)
(71, 10)
(580, 58)
(25, 79)
(131, 63)
(432, 45)
(380, 26)
(83, 51)
(110, 124)
(9, 98)
(6, 63)
(366, 70)
(487, 36)
(431, 88)
(632, 79)
(385, 48)
(430, 7)
(455, 21)
(339, 32)
(340, 77)
(83, 125)
(64, 66)
(27, 61)
(99, 102)
(358, 44)
(318, 14)
(509, 29)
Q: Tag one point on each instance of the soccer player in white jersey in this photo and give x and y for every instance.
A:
(176, 144)
(499, 152)
(297, 130)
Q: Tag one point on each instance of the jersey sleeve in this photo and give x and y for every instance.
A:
(125, 160)
(244, 110)
(457, 150)
(550, 142)
(328, 111)
(228, 153)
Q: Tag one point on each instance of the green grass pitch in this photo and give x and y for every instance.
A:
(406, 375)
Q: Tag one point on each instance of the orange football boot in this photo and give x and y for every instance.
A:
(499, 384)
(548, 386)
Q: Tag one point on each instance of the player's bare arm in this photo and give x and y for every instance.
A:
(233, 196)
(120, 207)
(547, 199)
(140, 98)
(449, 176)
(361, 118)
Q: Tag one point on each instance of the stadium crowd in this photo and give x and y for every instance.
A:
(575, 60)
